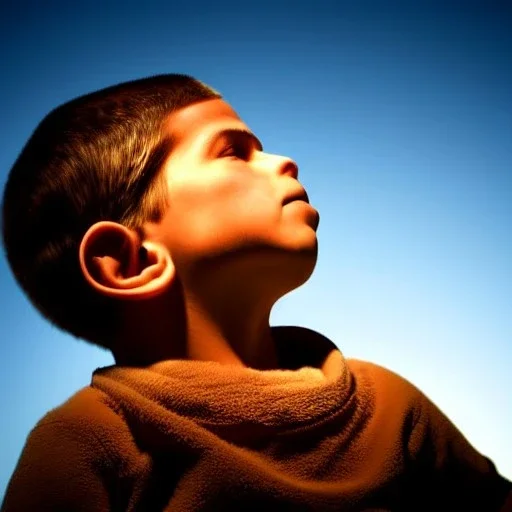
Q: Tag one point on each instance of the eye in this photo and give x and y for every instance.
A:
(238, 151)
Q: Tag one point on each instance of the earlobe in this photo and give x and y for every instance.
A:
(116, 263)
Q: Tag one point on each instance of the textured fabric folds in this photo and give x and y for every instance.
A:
(321, 434)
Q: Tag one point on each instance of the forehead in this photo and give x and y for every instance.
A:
(196, 123)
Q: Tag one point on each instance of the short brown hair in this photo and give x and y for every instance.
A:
(94, 158)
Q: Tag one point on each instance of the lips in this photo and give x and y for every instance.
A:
(299, 195)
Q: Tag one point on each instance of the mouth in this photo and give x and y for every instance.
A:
(299, 195)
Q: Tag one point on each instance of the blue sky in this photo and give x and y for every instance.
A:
(400, 118)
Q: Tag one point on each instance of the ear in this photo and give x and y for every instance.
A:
(116, 263)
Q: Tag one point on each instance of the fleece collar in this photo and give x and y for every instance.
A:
(217, 396)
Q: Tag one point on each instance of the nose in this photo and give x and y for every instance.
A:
(290, 168)
(282, 165)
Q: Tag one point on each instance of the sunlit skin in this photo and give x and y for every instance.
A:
(230, 244)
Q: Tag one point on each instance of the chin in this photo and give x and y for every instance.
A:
(297, 268)
(303, 239)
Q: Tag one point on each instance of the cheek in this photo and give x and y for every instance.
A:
(225, 209)
(244, 200)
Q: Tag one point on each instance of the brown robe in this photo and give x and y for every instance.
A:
(321, 434)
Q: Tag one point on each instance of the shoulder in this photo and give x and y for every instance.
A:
(396, 399)
(383, 380)
(88, 411)
(89, 418)
(394, 406)
(440, 461)
(64, 459)
(396, 394)
(77, 427)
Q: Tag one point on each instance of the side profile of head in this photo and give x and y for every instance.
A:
(121, 193)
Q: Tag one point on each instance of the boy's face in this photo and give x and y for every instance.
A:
(229, 203)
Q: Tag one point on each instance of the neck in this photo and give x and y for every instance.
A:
(236, 336)
(233, 333)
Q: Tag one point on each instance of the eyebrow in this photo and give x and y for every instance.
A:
(233, 133)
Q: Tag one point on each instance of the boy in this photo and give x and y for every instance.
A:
(146, 218)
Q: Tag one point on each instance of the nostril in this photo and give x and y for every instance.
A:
(290, 168)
